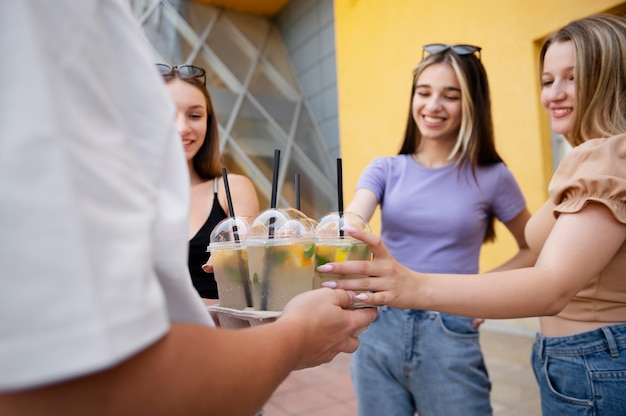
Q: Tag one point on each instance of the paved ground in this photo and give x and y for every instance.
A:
(327, 390)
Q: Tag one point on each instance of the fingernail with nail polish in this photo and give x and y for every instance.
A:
(349, 229)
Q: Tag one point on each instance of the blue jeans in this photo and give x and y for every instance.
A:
(583, 374)
(424, 361)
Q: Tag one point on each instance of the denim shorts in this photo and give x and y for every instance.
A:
(420, 361)
(582, 374)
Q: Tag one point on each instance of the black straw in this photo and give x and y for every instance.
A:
(242, 270)
(231, 210)
(340, 195)
(297, 184)
(274, 190)
(266, 265)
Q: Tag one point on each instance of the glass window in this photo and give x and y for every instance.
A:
(258, 98)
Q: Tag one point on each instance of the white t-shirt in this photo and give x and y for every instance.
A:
(94, 193)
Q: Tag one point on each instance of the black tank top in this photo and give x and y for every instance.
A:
(205, 282)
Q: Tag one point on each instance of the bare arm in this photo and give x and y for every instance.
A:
(524, 257)
(363, 203)
(578, 247)
(197, 370)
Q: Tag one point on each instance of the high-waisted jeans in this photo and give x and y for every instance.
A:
(424, 361)
(582, 374)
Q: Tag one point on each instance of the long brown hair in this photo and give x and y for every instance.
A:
(207, 161)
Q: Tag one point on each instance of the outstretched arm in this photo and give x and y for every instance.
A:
(579, 246)
(196, 370)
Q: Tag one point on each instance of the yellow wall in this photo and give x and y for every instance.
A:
(379, 43)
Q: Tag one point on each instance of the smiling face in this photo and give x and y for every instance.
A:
(191, 114)
(436, 105)
(557, 85)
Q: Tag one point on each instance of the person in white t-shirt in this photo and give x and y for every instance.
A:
(97, 311)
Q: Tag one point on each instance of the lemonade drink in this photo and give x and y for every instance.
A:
(329, 251)
(230, 267)
(331, 245)
(279, 270)
(230, 262)
(336, 250)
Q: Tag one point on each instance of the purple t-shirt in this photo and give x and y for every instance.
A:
(434, 219)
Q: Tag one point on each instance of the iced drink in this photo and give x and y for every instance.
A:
(280, 270)
(230, 267)
(230, 262)
(281, 248)
(332, 246)
(329, 251)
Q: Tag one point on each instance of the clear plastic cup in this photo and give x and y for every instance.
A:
(281, 248)
(332, 246)
(230, 262)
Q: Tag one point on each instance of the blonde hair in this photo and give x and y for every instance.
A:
(466, 130)
(599, 75)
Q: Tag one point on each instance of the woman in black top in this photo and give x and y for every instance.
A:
(198, 129)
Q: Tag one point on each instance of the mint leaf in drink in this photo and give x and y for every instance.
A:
(309, 251)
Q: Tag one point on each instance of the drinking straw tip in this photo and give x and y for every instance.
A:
(297, 186)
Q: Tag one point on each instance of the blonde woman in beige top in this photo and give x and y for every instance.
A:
(578, 284)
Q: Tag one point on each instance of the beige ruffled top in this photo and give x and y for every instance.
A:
(596, 171)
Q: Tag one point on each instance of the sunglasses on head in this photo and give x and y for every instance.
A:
(184, 71)
(433, 48)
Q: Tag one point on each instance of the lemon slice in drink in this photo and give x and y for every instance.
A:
(341, 253)
(294, 259)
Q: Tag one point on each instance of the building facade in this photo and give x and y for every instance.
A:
(273, 84)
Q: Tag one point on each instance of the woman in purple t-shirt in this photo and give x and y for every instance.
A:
(439, 198)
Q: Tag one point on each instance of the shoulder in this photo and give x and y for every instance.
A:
(236, 180)
(592, 171)
(497, 174)
(601, 154)
(381, 160)
(387, 162)
(595, 157)
(494, 168)
(239, 185)
(386, 167)
(243, 193)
